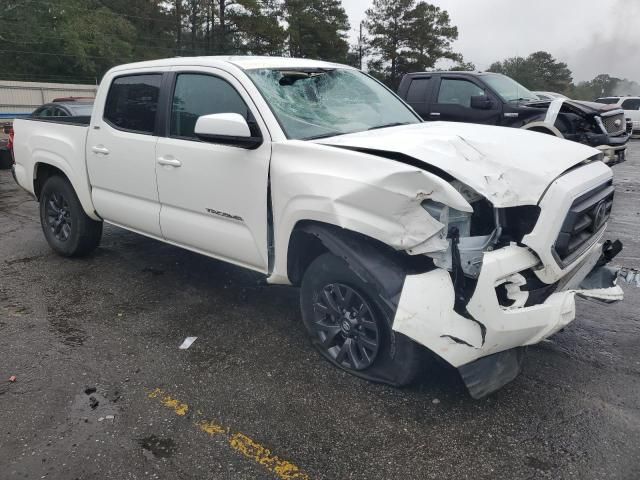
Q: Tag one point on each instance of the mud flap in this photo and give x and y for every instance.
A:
(488, 374)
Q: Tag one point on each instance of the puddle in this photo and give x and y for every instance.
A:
(159, 447)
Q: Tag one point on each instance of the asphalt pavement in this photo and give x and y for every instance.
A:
(102, 390)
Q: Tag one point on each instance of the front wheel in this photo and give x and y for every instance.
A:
(351, 327)
(68, 230)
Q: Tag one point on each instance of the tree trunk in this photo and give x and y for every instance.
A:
(223, 27)
(178, 24)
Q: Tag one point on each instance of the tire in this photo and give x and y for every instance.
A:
(68, 230)
(5, 160)
(350, 325)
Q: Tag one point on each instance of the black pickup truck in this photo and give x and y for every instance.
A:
(495, 99)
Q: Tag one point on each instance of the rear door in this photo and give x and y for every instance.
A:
(213, 197)
(121, 152)
(451, 101)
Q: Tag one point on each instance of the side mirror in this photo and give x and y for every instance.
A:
(226, 129)
(481, 102)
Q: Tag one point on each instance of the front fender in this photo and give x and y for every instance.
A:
(373, 196)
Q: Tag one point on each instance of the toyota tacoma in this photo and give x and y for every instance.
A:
(466, 240)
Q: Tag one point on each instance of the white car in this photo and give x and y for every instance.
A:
(469, 240)
(631, 107)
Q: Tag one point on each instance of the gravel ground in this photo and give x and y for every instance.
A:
(250, 399)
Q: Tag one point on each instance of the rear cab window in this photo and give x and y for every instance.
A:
(132, 103)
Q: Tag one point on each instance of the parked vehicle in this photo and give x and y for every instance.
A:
(549, 95)
(495, 99)
(631, 107)
(66, 107)
(469, 240)
(6, 143)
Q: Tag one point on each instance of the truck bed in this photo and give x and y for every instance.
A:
(58, 142)
(82, 121)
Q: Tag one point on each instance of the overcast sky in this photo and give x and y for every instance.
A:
(591, 36)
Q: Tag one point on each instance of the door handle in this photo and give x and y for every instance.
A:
(170, 162)
(100, 150)
(435, 114)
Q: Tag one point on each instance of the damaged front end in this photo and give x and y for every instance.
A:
(494, 293)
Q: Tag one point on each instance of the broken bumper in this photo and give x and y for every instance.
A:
(488, 328)
(613, 148)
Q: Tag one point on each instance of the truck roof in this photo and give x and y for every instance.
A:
(243, 62)
(452, 72)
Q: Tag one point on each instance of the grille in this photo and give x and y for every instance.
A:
(587, 216)
(614, 124)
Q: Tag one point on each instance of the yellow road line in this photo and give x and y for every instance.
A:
(239, 442)
(170, 402)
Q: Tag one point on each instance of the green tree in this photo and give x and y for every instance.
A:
(430, 37)
(69, 40)
(407, 36)
(538, 71)
(317, 29)
(463, 66)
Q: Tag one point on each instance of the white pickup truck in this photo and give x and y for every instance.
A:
(466, 240)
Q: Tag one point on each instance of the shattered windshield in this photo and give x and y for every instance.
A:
(317, 103)
(508, 89)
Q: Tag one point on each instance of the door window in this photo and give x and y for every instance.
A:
(198, 94)
(132, 103)
(631, 104)
(417, 92)
(458, 92)
(43, 112)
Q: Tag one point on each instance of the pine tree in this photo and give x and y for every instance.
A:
(405, 36)
(317, 29)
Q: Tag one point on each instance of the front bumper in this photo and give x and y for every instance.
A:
(426, 312)
(613, 147)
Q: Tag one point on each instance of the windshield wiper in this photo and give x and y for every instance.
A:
(323, 135)
(395, 124)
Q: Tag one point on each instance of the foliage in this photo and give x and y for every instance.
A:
(538, 71)
(78, 40)
(604, 86)
(463, 66)
(407, 36)
(317, 29)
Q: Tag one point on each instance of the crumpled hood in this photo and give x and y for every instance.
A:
(589, 108)
(510, 167)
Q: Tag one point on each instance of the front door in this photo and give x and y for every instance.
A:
(120, 153)
(213, 197)
(452, 103)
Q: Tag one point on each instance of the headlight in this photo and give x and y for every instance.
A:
(449, 217)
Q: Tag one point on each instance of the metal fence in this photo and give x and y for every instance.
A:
(19, 99)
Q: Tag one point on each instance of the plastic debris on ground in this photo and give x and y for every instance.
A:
(187, 343)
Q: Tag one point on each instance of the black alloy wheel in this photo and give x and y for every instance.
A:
(58, 216)
(346, 326)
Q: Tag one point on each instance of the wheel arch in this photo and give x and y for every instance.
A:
(372, 260)
(44, 170)
(543, 127)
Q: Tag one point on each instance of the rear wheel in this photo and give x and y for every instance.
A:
(351, 327)
(68, 230)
